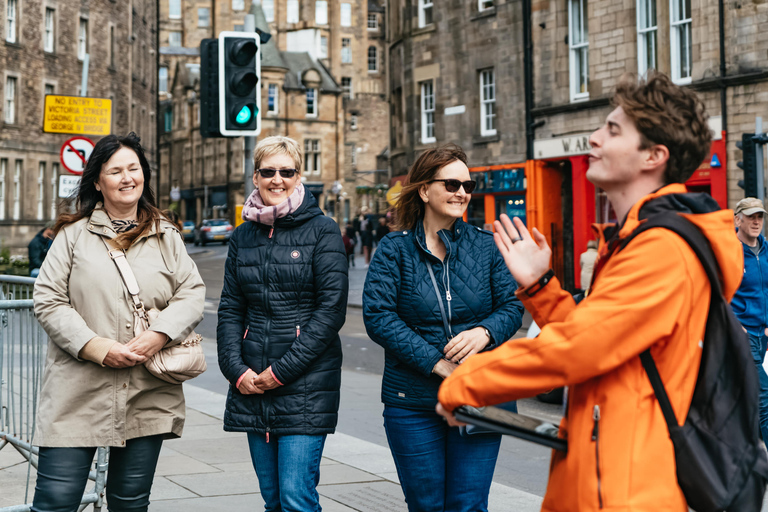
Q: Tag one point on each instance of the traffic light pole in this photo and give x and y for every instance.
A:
(249, 144)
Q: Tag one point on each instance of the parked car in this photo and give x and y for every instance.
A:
(188, 231)
(213, 230)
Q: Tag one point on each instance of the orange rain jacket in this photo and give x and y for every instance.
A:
(654, 293)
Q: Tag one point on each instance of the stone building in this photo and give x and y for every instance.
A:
(304, 70)
(553, 66)
(42, 52)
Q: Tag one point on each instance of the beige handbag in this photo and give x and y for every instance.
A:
(173, 364)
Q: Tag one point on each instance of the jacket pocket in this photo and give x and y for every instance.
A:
(596, 440)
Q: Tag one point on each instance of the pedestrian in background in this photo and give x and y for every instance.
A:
(95, 390)
(587, 262)
(750, 303)
(435, 266)
(283, 303)
(38, 248)
(366, 235)
(382, 230)
(349, 244)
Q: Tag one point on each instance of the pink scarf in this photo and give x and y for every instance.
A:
(255, 209)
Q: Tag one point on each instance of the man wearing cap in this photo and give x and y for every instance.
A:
(750, 304)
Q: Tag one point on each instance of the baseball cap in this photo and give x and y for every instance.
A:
(749, 206)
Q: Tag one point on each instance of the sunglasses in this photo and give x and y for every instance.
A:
(270, 173)
(454, 185)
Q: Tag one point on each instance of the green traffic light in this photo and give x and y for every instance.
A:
(244, 116)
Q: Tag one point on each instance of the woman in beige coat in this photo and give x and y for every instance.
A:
(96, 390)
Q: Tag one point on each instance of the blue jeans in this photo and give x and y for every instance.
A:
(63, 474)
(758, 345)
(288, 468)
(440, 470)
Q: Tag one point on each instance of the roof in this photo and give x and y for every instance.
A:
(270, 55)
(373, 6)
(299, 63)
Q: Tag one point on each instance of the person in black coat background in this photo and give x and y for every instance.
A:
(38, 248)
(283, 303)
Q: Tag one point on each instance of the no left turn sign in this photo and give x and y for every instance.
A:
(75, 153)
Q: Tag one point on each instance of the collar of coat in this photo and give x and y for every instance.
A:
(450, 238)
(100, 224)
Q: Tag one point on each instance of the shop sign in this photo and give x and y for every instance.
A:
(562, 146)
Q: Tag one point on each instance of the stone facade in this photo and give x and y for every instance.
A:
(121, 40)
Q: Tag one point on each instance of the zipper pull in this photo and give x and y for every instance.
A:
(298, 331)
(271, 230)
(596, 419)
(246, 331)
(448, 295)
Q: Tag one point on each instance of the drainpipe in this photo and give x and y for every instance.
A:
(528, 79)
(723, 88)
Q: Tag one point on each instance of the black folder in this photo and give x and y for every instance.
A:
(512, 424)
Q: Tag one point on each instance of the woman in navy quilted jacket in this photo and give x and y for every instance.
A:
(440, 469)
(283, 303)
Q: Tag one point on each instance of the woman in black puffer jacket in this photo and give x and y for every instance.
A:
(283, 303)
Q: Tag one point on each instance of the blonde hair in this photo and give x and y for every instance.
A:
(277, 145)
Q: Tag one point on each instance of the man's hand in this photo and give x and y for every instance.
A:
(120, 356)
(265, 381)
(465, 344)
(527, 257)
(449, 417)
(444, 368)
(147, 343)
(248, 386)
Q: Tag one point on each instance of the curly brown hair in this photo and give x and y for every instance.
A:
(410, 208)
(667, 114)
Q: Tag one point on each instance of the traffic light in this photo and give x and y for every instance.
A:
(748, 164)
(209, 88)
(239, 73)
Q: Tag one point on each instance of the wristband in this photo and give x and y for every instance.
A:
(541, 283)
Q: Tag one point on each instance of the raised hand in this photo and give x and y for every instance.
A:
(527, 257)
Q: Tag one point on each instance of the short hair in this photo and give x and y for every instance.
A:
(277, 145)
(410, 208)
(667, 114)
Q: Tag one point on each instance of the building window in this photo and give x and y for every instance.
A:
(484, 5)
(3, 173)
(11, 20)
(323, 47)
(48, 89)
(168, 120)
(174, 9)
(203, 17)
(680, 40)
(646, 35)
(321, 12)
(346, 50)
(373, 22)
(54, 188)
(162, 79)
(17, 190)
(311, 102)
(49, 37)
(427, 112)
(40, 190)
(268, 6)
(292, 11)
(353, 155)
(10, 100)
(487, 102)
(353, 122)
(82, 39)
(312, 156)
(346, 87)
(373, 61)
(272, 98)
(174, 39)
(346, 15)
(238, 5)
(578, 41)
(425, 13)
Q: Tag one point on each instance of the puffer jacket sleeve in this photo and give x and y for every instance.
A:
(383, 324)
(232, 309)
(331, 286)
(53, 310)
(185, 309)
(507, 315)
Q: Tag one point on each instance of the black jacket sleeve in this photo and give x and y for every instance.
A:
(232, 311)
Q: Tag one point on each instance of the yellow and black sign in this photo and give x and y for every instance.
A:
(77, 115)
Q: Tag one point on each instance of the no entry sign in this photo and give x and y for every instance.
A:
(75, 153)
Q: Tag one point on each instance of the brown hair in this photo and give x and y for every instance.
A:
(667, 114)
(410, 207)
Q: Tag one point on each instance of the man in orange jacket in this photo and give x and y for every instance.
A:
(652, 294)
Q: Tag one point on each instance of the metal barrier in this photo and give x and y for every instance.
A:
(22, 358)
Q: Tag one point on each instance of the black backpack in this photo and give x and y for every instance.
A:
(721, 465)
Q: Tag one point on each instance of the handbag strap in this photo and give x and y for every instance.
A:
(446, 326)
(127, 275)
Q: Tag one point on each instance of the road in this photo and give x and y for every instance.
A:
(521, 465)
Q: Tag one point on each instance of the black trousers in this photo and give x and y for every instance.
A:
(62, 475)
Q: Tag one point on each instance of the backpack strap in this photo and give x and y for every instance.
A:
(700, 245)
